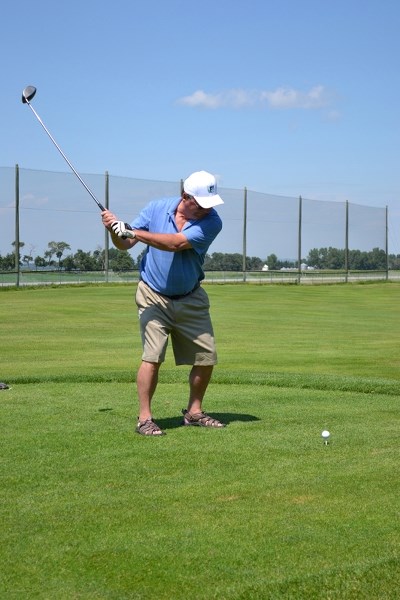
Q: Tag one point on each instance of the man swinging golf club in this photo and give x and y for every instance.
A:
(178, 233)
(171, 302)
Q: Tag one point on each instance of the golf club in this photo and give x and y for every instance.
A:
(27, 95)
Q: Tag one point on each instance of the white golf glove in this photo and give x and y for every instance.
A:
(122, 230)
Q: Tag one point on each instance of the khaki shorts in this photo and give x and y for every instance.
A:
(186, 320)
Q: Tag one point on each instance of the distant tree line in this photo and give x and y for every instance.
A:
(318, 258)
(334, 258)
(53, 258)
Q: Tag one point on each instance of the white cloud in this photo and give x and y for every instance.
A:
(230, 98)
(282, 98)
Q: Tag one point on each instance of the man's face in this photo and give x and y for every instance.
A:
(192, 208)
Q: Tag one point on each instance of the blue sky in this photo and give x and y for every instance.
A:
(285, 97)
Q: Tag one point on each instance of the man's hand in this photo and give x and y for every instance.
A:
(122, 230)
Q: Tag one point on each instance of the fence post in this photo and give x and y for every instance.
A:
(387, 242)
(106, 236)
(16, 260)
(244, 233)
(346, 244)
(299, 239)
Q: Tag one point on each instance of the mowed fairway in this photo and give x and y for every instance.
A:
(260, 509)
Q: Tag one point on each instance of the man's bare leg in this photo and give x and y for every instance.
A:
(199, 379)
(146, 384)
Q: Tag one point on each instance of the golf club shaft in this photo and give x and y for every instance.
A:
(63, 155)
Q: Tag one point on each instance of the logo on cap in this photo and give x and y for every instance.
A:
(211, 189)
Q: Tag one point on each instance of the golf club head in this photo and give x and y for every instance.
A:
(28, 93)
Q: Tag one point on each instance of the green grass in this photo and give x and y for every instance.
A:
(261, 509)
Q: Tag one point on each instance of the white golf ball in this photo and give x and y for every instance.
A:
(325, 434)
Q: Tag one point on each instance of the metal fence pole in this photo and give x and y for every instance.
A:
(387, 242)
(16, 261)
(346, 243)
(244, 233)
(299, 239)
(106, 236)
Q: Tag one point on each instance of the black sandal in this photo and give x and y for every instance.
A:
(148, 427)
(201, 419)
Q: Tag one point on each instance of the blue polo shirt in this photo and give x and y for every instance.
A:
(175, 273)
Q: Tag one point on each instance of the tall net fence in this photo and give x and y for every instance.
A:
(54, 206)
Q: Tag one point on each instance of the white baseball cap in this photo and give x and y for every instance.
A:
(203, 187)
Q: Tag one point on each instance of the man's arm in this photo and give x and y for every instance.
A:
(108, 219)
(170, 242)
